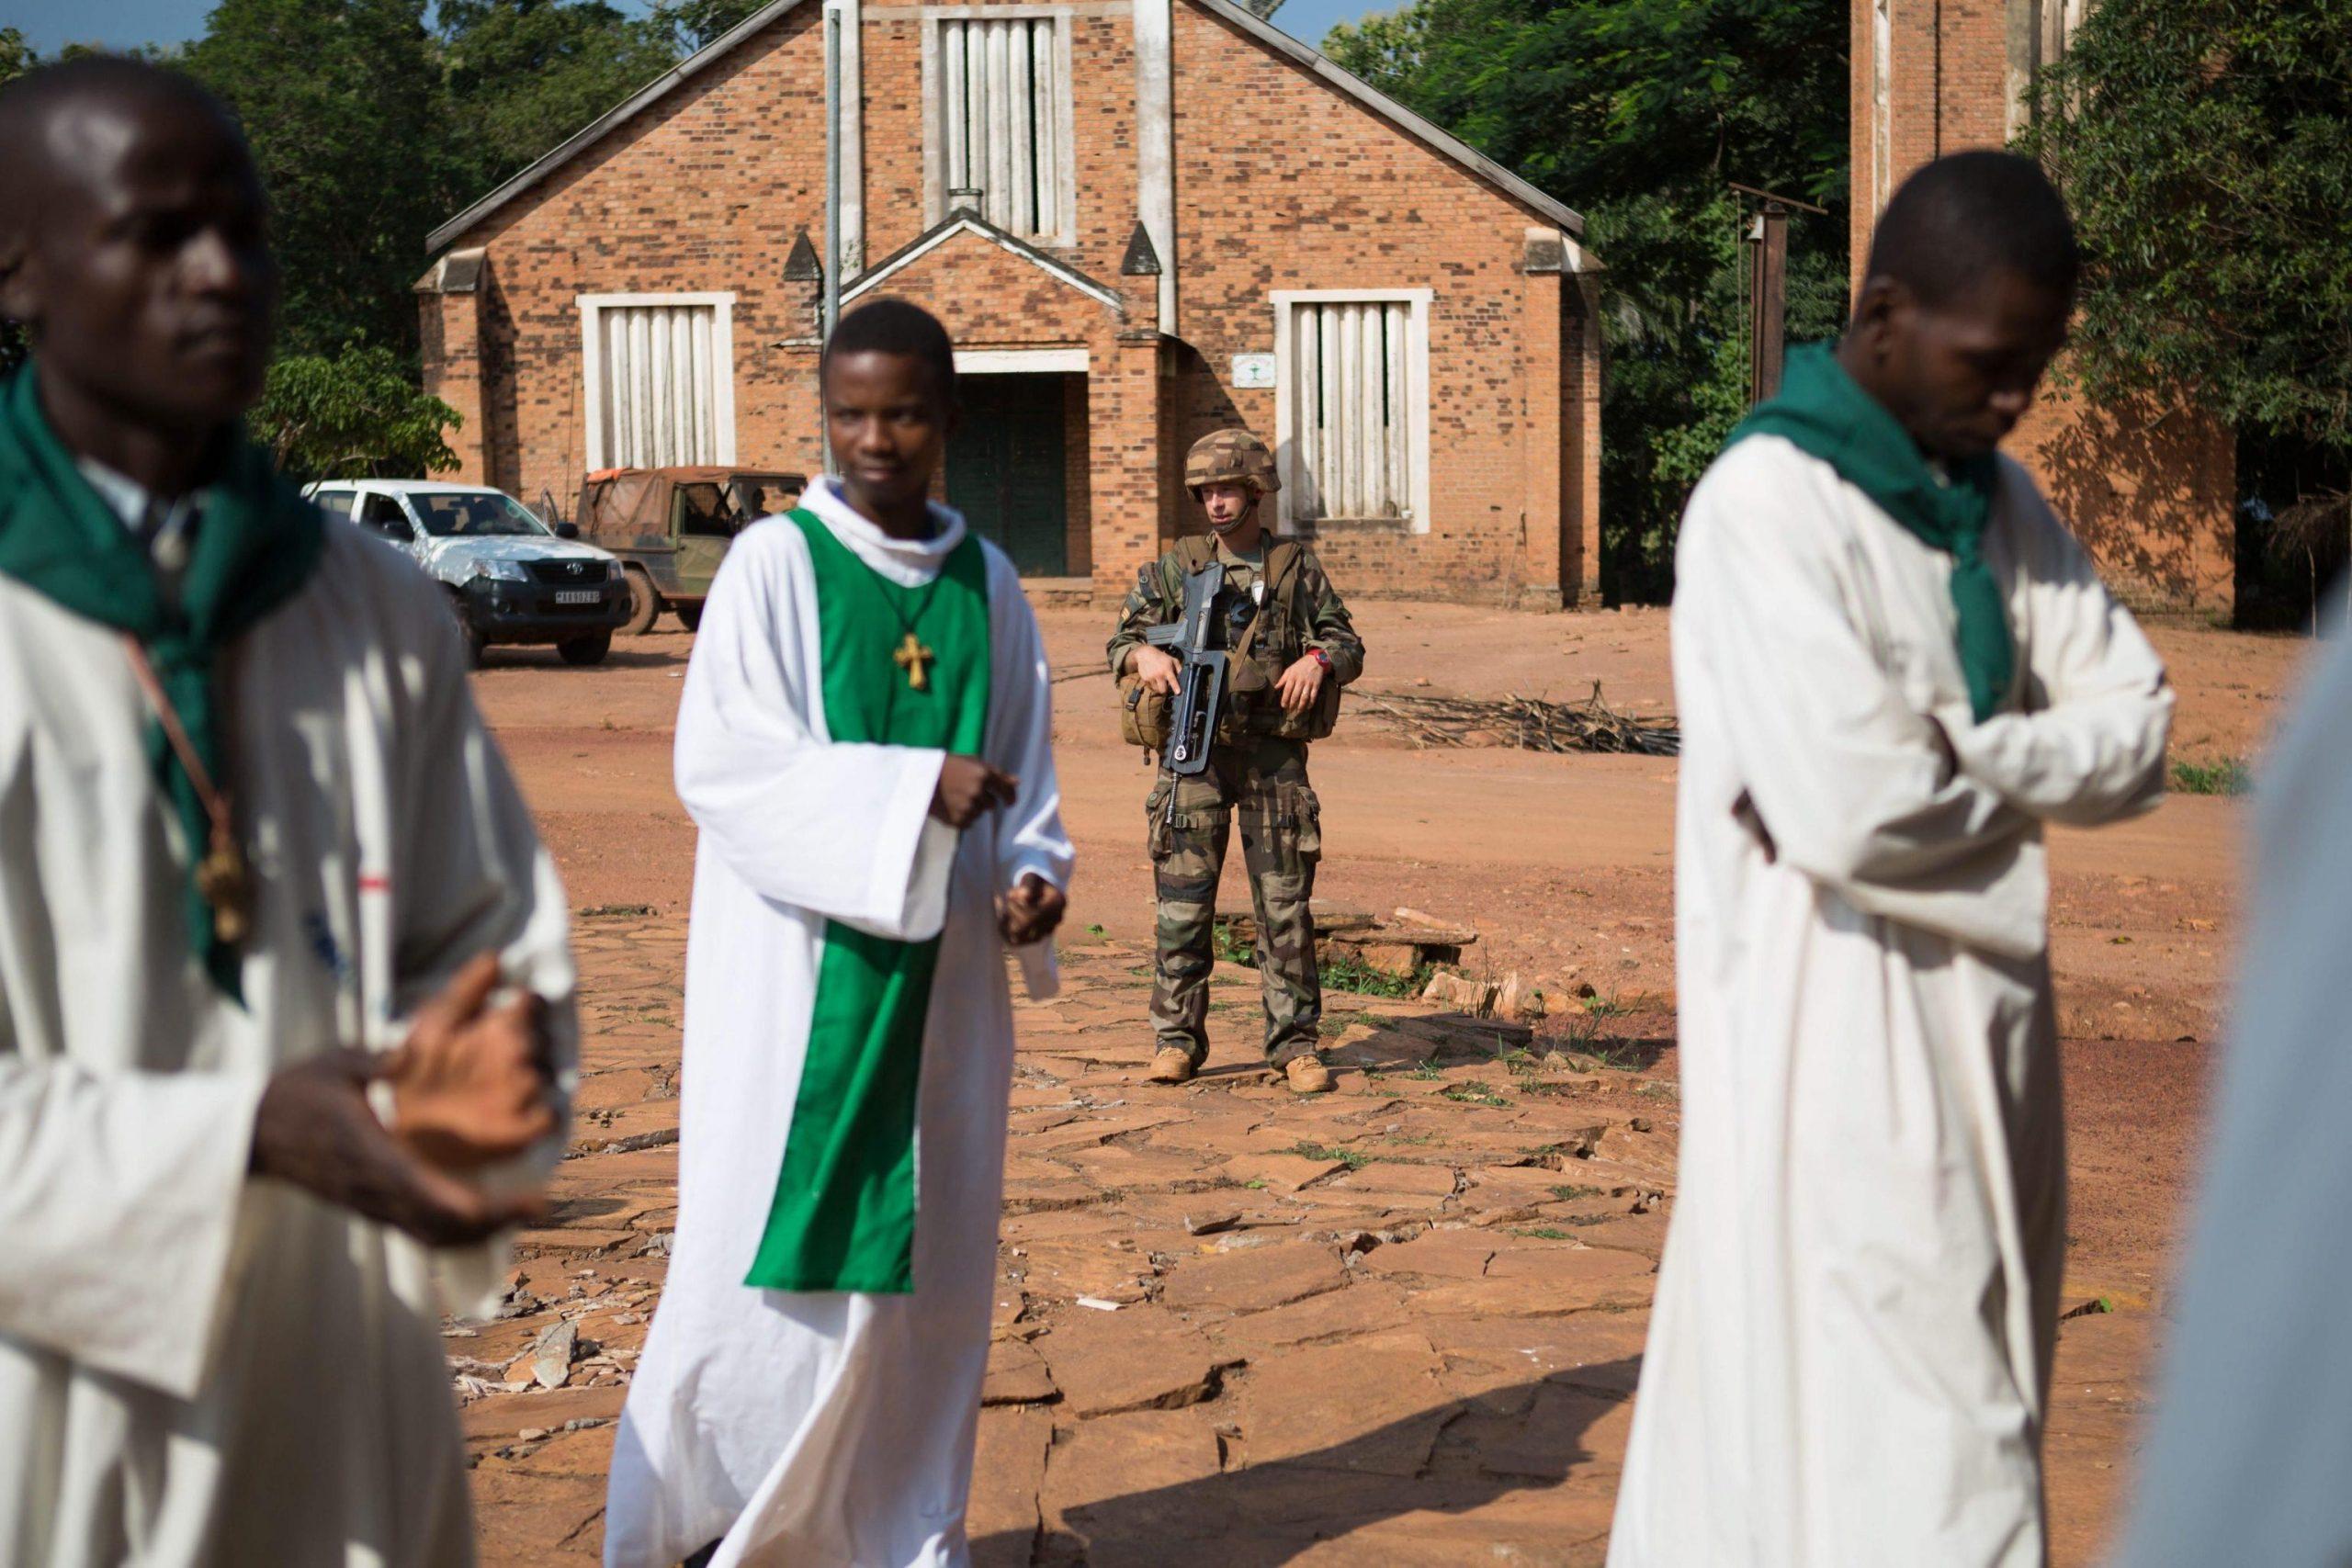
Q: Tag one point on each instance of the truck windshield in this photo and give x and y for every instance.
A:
(473, 514)
(764, 495)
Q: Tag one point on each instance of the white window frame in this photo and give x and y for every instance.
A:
(935, 107)
(1416, 395)
(591, 365)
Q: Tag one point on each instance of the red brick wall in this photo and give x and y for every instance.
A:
(1282, 183)
(2150, 491)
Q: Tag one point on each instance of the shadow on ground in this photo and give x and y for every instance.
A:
(1435, 1487)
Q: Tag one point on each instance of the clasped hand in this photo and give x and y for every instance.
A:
(470, 1087)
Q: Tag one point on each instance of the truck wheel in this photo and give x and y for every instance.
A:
(689, 616)
(467, 632)
(585, 649)
(644, 604)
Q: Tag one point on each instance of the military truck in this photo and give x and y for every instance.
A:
(671, 528)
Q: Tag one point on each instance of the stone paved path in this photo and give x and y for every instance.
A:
(1398, 1324)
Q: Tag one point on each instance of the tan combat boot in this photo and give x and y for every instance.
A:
(1171, 1066)
(1307, 1076)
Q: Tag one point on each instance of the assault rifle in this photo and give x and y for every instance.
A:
(1192, 639)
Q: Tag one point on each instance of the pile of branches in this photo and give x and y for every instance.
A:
(1531, 724)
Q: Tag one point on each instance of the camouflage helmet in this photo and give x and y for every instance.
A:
(1229, 457)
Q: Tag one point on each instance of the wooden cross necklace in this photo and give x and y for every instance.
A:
(912, 655)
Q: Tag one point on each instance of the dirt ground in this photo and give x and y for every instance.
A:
(1411, 1325)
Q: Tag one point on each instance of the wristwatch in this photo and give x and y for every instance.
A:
(1320, 658)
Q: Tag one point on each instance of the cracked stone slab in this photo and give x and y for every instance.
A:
(1445, 1254)
(1562, 1278)
(1365, 1307)
(1106, 1363)
(1280, 1172)
(1016, 1375)
(1368, 1404)
(1008, 1472)
(1127, 1487)
(1254, 1278)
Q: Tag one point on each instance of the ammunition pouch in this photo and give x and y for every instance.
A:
(1143, 714)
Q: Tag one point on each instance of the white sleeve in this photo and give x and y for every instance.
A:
(841, 830)
(120, 1195)
(2090, 747)
(2246, 1457)
(1845, 776)
(471, 876)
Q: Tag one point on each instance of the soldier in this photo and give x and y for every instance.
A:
(1292, 647)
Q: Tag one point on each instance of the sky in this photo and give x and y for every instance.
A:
(119, 24)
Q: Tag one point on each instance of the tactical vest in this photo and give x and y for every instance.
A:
(1274, 641)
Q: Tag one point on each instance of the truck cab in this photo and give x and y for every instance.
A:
(671, 527)
(510, 577)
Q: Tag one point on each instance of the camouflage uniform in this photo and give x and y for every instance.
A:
(1258, 773)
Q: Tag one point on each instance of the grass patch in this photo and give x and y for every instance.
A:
(616, 911)
(1330, 1155)
(1472, 1094)
(1097, 930)
(2228, 776)
(1340, 972)
(1427, 1072)
(1542, 1232)
(1572, 1194)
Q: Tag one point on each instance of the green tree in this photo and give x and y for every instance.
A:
(1637, 113)
(17, 57)
(355, 414)
(2205, 148)
(335, 96)
(694, 23)
(518, 76)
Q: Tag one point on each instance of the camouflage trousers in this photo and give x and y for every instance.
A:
(1265, 782)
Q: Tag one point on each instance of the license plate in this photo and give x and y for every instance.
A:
(577, 596)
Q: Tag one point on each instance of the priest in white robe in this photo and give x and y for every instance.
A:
(1893, 667)
(2247, 1456)
(865, 743)
(255, 846)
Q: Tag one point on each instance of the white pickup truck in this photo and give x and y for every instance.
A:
(511, 578)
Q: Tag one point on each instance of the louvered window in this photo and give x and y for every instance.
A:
(1351, 379)
(997, 96)
(659, 373)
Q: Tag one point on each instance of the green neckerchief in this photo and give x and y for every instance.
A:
(256, 541)
(1828, 415)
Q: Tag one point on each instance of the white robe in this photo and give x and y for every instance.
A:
(1857, 1305)
(829, 1428)
(197, 1366)
(2251, 1450)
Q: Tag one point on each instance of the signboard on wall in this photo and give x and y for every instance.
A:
(1253, 370)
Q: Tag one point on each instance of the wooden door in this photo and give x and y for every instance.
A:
(1005, 471)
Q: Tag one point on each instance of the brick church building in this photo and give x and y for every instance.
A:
(1141, 220)
(2151, 492)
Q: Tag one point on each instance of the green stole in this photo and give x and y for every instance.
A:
(1825, 414)
(843, 1218)
(257, 543)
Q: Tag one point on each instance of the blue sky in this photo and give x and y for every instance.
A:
(118, 24)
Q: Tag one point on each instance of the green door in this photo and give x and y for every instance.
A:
(1005, 469)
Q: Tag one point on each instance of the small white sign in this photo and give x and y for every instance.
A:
(1253, 370)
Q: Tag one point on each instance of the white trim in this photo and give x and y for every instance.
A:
(943, 85)
(1154, 35)
(1022, 361)
(722, 368)
(1266, 33)
(965, 225)
(1416, 393)
(852, 139)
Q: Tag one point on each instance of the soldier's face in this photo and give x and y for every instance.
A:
(1227, 504)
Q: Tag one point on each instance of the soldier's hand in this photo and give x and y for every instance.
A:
(1300, 684)
(470, 1084)
(968, 786)
(1031, 911)
(1157, 670)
